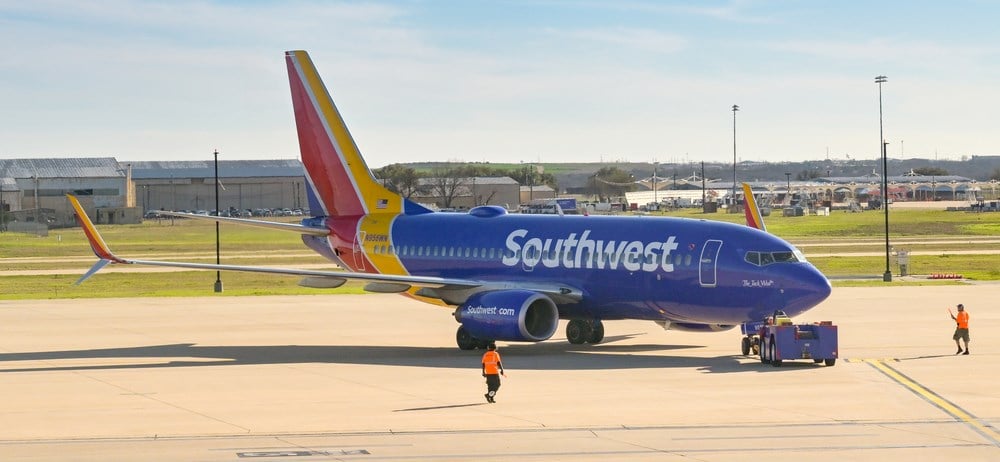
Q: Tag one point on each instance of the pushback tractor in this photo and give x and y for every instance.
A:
(777, 339)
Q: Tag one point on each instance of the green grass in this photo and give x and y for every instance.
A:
(868, 224)
(173, 284)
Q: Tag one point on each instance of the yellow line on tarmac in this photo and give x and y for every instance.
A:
(950, 408)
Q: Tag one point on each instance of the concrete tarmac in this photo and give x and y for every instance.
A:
(378, 378)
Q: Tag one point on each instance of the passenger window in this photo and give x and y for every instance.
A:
(687, 260)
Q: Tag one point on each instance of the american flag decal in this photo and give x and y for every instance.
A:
(382, 203)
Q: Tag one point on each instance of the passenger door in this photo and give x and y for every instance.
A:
(708, 264)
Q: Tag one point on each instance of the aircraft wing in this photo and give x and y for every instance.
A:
(450, 290)
(301, 229)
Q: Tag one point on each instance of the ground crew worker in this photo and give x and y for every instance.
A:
(961, 329)
(492, 370)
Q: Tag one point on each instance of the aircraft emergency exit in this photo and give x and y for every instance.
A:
(512, 277)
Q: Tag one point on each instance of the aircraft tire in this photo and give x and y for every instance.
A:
(578, 331)
(597, 332)
(465, 340)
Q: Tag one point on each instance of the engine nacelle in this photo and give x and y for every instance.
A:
(512, 315)
(694, 327)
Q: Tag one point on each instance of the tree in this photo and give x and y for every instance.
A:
(610, 182)
(806, 175)
(930, 171)
(398, 178)
(445, 182)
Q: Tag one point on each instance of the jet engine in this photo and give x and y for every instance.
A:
(511, 315)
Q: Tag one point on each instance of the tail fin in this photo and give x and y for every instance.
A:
(751, 210)
(338, 176)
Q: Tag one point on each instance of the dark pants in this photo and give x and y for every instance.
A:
(492, 383)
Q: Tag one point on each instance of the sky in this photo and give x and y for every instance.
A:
(504, 80)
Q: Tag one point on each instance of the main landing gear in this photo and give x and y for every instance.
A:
(580, 331)
(466, 341)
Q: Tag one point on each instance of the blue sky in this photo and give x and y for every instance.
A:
(504, 81)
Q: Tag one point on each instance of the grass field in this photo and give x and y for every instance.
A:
(824, 239)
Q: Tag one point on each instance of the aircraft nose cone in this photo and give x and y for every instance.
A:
(806, 289)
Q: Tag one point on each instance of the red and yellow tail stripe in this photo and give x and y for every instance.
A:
(334, 167)
(751, 210)
(337, 172)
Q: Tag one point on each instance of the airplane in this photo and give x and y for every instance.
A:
(513, 277)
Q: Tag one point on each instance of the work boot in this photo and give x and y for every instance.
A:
(959, 351)
(966, 351)
(489, 399)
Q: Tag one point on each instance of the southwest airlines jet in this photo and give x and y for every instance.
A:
(512, 277)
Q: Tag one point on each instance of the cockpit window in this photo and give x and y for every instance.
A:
(781, 257)
(767, 258)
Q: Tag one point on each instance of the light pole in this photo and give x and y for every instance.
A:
(218, 274)
(655, 163)
(735, 108)
(788, 187)
(887, 276)
(3, 210)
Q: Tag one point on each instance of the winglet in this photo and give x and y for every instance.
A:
(96, 241)
(751, 210)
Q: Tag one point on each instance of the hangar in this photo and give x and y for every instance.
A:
(244, 184)
(32, 191)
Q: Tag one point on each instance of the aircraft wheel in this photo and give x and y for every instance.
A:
(746, 346)
(578, 331)
(597, 332)
(465, 340)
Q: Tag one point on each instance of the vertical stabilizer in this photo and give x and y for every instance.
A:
(339, 178)
(751, 210)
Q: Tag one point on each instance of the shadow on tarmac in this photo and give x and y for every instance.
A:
(556, 355)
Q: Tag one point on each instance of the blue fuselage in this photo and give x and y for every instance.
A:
(656, 268)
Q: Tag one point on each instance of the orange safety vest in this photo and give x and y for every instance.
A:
(490, 361)
(962, 319)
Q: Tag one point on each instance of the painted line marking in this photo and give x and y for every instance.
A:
(937, 400)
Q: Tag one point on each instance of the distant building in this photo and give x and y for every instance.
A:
(538, 191)
(467, 192)
(244, 184)
(34, 190)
